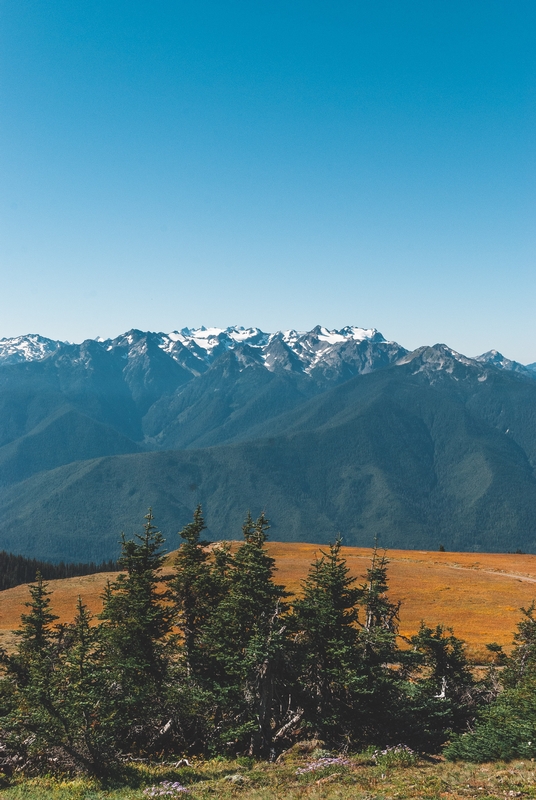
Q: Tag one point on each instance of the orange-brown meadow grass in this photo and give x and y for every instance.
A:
(478, 595)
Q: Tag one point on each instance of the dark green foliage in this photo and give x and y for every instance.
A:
(199, 583)
(60, 693)
(442, 696)
(35, 632)
(347, 652)
(244, 643)
(135, 619)
(35, 722)
(499, 655)
(257, 606)
(253, 596)
(196, 588)
(382, 663)
(521, 665)
(329, 662)
(507, 728)
(87, 711)
(380, 624)
(504, 731)
(85, 691)
(134, 637)
(443, 656)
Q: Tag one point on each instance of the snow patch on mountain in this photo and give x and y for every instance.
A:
(31, 347)
(322, 353)
(288, 350)
(325, 355)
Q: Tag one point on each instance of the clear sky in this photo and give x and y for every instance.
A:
(278, 163)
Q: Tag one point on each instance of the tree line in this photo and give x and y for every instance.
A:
(217, 658)
(15, 569)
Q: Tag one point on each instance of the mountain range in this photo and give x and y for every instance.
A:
(327, 431)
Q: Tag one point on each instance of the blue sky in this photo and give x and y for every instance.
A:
(271, 163)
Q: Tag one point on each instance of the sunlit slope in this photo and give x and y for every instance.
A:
(478, 595)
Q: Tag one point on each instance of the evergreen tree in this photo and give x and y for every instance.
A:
(264, 634)
(35, 723)
(190, 582)
(381, 661)
(87, 711)
(379, 629)
(245, 640)
(506, 728)
(198, 584)
(36, 634)
(243, 675)
(381, 616)
(441, 696)
(445, 660)
(331, 679)
(134, 637)
(521, 664)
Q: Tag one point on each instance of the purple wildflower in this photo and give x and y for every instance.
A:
(322, 763)
(166, 789)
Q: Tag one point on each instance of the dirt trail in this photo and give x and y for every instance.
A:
(520, 576)
(515, 575)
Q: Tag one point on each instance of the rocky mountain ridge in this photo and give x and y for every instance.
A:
(196, 349)
(359, 350)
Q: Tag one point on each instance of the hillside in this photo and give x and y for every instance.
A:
(327, 431)
(478, 596)
(419, 454)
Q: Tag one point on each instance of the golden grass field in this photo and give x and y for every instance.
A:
(477, 594)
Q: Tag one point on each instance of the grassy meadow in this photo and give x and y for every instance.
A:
(360, 779)
(477, 594)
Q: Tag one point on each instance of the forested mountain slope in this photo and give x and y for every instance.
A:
(430, 448)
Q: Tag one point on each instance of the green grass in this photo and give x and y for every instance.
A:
(359, 780)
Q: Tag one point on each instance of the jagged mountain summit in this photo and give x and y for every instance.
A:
(498, 360)
(193, 387)
(327, 430)
(195, 349)
(31, 347)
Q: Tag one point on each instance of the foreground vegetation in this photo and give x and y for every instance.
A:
(215, 659)
(360, 779)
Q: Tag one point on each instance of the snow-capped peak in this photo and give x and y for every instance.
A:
(197, 348)
(30, 347)
(325, 354)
